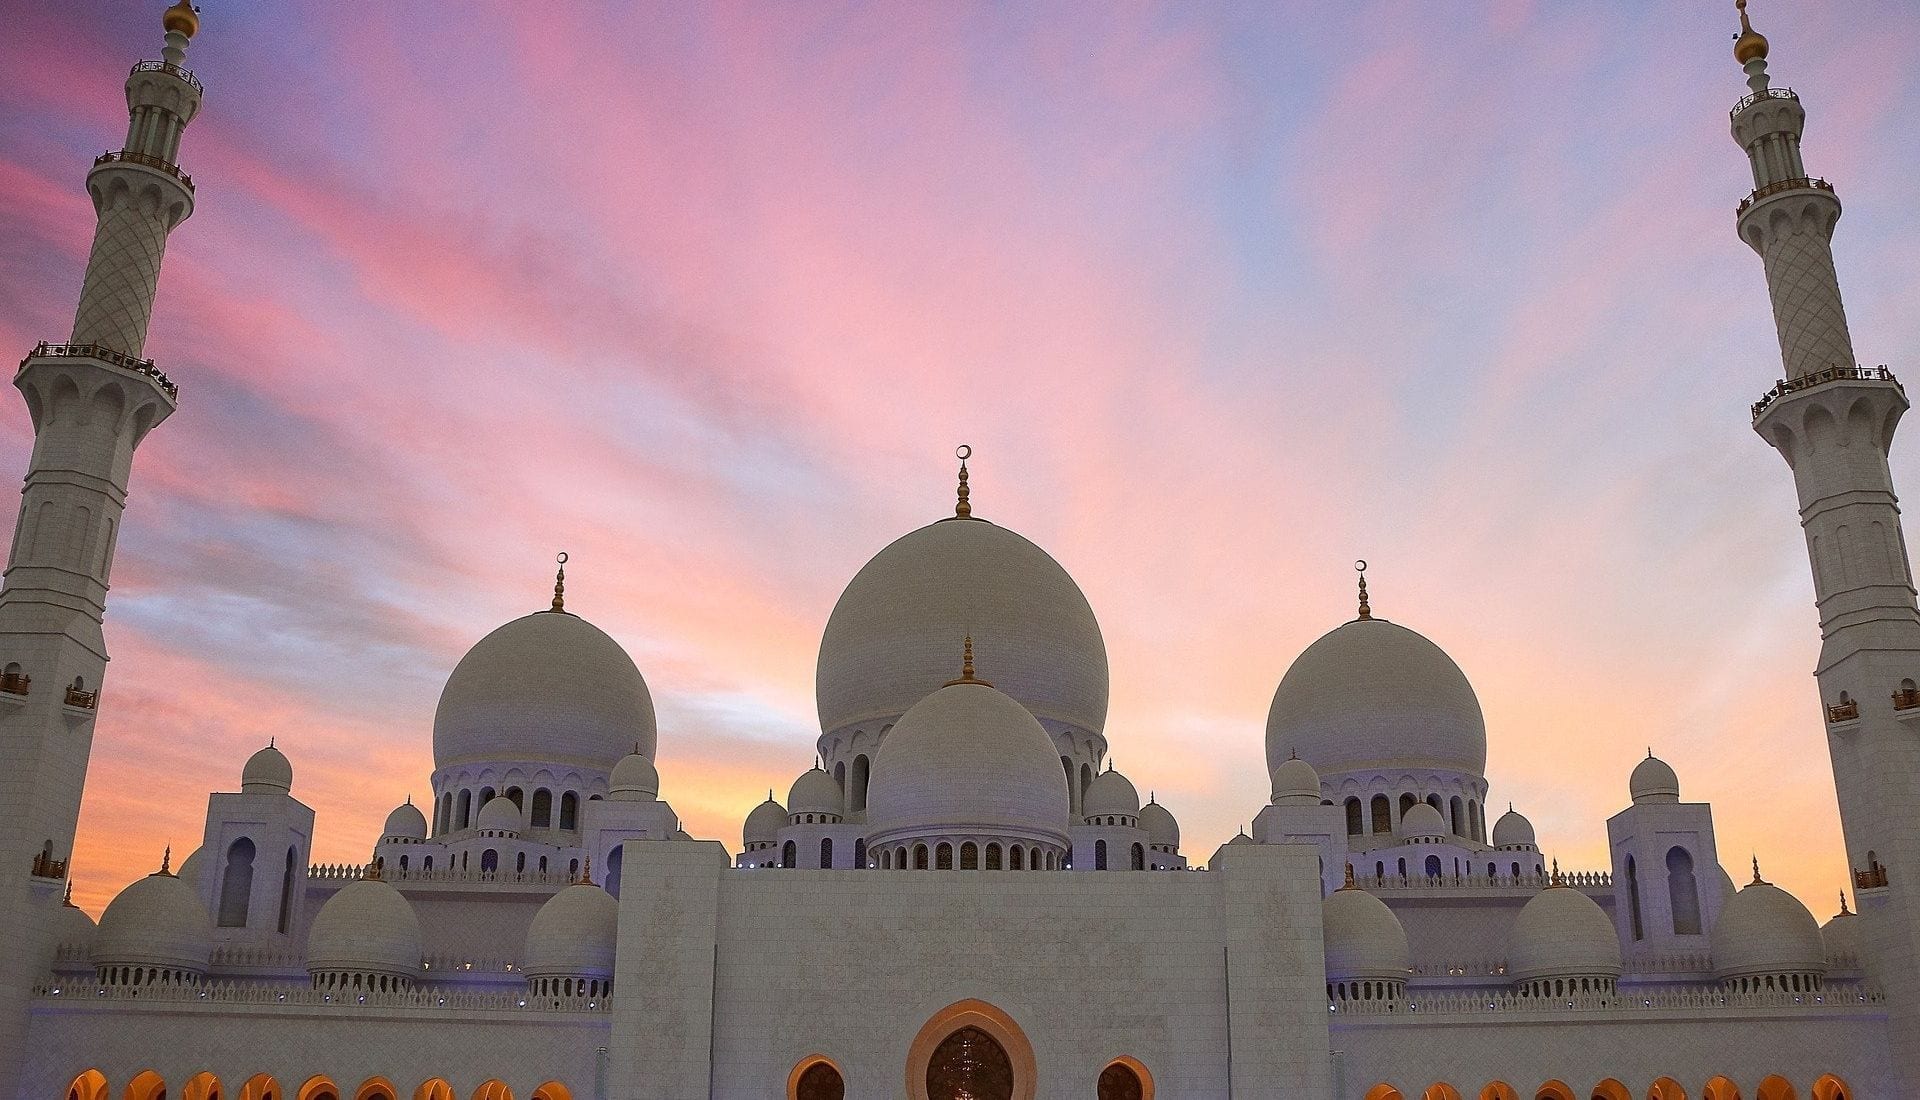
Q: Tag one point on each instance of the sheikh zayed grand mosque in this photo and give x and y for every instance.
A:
(962, 900)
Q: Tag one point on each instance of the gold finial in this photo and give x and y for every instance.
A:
(166, 861)
(1556, 880)
(371, 871)
(560, 583)
(586, 873)
(1844, 911)
(1757, 880)
(1350, 884)
(1751, 45)
(1361, 568)
(182, 18)
(966, 666)
(68, 900)
(962, 509)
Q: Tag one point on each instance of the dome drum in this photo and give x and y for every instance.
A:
(951, 851)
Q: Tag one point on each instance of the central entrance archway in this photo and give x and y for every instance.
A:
(971, 1051)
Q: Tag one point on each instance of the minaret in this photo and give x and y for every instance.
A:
(1833, 421)
(91, 401)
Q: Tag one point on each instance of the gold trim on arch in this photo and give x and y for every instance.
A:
(1139, 1069)
(803, 1065)
(993, 1021)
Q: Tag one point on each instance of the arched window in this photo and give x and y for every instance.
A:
(993, 857)
(236, 884)
(1830, 1087)
(969, 856)
(570, 810)
(919, 857)
(445, 824)
(1408, 802)
(519, 863)
(816, 1079)
(375, 1088)
(487, 794)
(1382, 814)
(1457, 815)
(943, 857)
(972, 1064)
(1099, 855)
(1440, 1090)
(789, 854)
(1683, 892)
(1498, 1090)
(859, 853)
(318, 1088)
(489, 861)
(1073, 789)
(1403, 868)
(148, 1086)
(826, 852)
(1666, 1088)
(1139, 858)
(260, 1087)
(840, 781)
(1086, 780)
(518, 797)
(1124, 1079)
(857, 792)
(1633, 900)
(493, 1090)
(1554, 1090)
(1433, 866)
(465, 816)
(91, 1085)
(1611, 1090)
(553, 1090)
(542, 809)
(433, 1088)
(615, 858)
(1516, 870)
(1720, 1088)
(1355, 824)
(1774, 1088)
(1015, 857)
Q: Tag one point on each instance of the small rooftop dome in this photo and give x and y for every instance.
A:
(72, 927)
(156, 921)
(1160, 826)
(1240, 837)
(1512, 831)
(1364, 940)
(765, 822)
(1841, 937)
(1653, 781)
(1110, 795)
(406, 822)
(814, 792)
(366, 928)
(1561, 933)
(499, 815)
(189, 871)
(1295, 783)
(1422, 820)
(267, 772)
(1765, 931)
(572, 936)
(634, 779)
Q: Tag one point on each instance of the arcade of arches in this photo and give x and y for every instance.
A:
(148, 1085)
(1828, 1087)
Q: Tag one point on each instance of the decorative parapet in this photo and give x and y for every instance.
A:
(122, 156)
(1906, 699)
(353, 872)
(15, 683)
(1820, 378)
(1872, 878)
(1692, 962)
(1797, 183)
(170, 69)
(1764, 93)
(108, 355)
(1836, 997)
(1592, 880)
(45, 866)
(429, 998)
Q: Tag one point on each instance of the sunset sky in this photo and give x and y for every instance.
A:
(1224, 296)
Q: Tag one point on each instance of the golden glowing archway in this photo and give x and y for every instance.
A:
(91, 1085)
(1775, 1087)
(377, 1088)
(1720, 1088)
(1553, 1090)
(1498, 1090)
(1666, 1088)
(494, 1089)
(147, 1086)
(1440, 1090)
(1611, 1089)
(1830, 1087)
(319, 1088)
(1384, 1092)
(999, 1026)
(260, 1087)
(553, 1090)
(201, 1086)
(434, 1088)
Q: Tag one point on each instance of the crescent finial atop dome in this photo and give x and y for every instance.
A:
(1751, 45)
(1360, 567)
(560, 583)
(966, 666)
(962, 509)
(181, 18)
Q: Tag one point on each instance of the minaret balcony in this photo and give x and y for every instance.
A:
(1906, 699)
(1764, 93)
(1777, 187)
(170, 69)
(106, 355)
(15, 683)
(82, 700)
(1843, 712)
(171, 169)
(1820, 378)
(45, 866)
(1870, 879)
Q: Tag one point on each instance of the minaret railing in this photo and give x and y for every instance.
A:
(1797, 183)
(1764, 93)
(169, 68)
(171, 169)
(1820, 378)
(106, 354)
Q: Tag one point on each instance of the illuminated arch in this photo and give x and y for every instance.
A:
(201, 1086)
(91, 1085)
(1131, 1065)
(1720, 1088)
(1383, 1091)
(1611, 1089)
(147, 1086)
(1498, 1090)
(377, 1088)
(1775, 1087)
(814, 1077)
(1553, 1090)
(1440, 1090)
(1829, 1087)
(434, 1088)
(553, 1090)
(260, 1087)
(1666, 1088)
(319, 1088)
(977, 1014)
(493, 1089)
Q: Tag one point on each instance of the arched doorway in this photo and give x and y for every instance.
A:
(816, 1078)
(552, 1090)
(1498, 1090)
(970, 1050)
(1666, 1088)
(1125, 1079)
(147, 1086)
(1775, 1088)
(376, 1088)
(433, 1088)
(1611, 1089)
(91, 1085)
(319, 1088)
(1720, 1088)
(260, 1087)
(1830, 1087)
(1554, 1090)
(201, 1086)
(494, 1089)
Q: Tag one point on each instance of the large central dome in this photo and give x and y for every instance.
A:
(891, 639)
(1372, 695)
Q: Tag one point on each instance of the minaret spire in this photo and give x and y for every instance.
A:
(1366, 612)
(560, 583)
(962, 508)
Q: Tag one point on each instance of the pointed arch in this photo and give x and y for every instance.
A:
(553, 1090)
(978, 1016)
(493, 1089)
(1553, 1090)
(1611, 1089)
(1829, 1087)
(91, 1085)
(201, 1086)
(1498, 1090)
(1440, 1090)
(1125, 1078)
(260, 1086)
(1720, 1088)
(816, 1077)
(1775, 1087)
(318, 1088)
(1383, 1092)
(147, 1085)
(1666, 1088)
(434, 1088)
(377, 1088)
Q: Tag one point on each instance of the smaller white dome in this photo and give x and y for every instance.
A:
(267, 772)
(1159, 824)
(499, 815)
(1512, 831)
(634, 779)
(73, 928)
(814, 792)
(572, 936)
(1763, 930)
(1422, 820)
(1110, 795)
(406, 822)
(1562, 933)
(367, 927)
(155, 921)
(765, 822)
(1653, 781)
(1364, 940)
(1841, 937)
(1295, 783)
(1240, 837)
(190, 868)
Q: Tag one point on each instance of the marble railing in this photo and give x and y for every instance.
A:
(280, 993)
(1422, 882)
(235, 956)
(1839, 995)
(350, 872)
